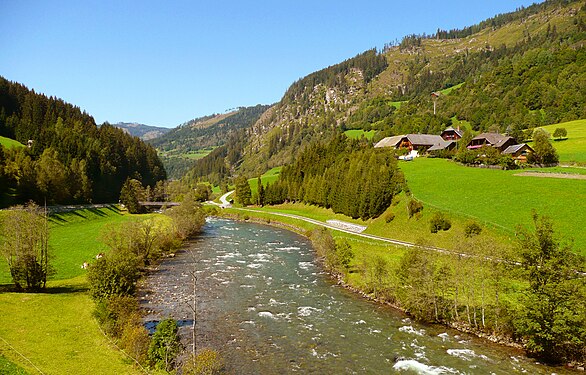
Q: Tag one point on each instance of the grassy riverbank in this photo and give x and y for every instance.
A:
(55, 330)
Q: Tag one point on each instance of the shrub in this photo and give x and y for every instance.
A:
(439, 222)
(206, 362)
(135, 339)
(414, 207)
(164, 346)
(390, 216)
(113, 275)
(472, 228)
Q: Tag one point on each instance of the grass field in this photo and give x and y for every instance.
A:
(74, 240)
(9, 368)
(57, 332)
(450, 89)
(572, 149)
(197, 154)
(8, 143)
(499, 197)
(269, 176)
(358, 133)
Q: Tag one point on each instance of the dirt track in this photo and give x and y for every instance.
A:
(552, 175)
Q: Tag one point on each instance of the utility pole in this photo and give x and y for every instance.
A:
(434, 96)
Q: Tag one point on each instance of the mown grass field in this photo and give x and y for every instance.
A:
(57, 332)
(499, 198)
(572, 149)
(9, 143)
(55, 329)
(359, 133)
(74, 239)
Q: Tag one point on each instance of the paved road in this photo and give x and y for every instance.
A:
(224, 199)
(365, 235)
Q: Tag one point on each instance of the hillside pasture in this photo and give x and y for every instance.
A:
(9, 143)
(57, 333)
(499, 198)
(359, 133)
(268, 177)
(573, 148)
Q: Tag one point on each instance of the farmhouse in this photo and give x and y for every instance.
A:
(498, 141)
(519, 152)
(422, 142)
(451, 134)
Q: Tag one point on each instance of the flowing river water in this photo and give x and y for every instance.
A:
(265, 304)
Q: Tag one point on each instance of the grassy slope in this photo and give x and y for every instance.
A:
(358, 133)
(56, 329)
(499, 197)
(269, 176)
(572, 149)
(9, 368)
(74, 240)
(57, 332)
(8, 143)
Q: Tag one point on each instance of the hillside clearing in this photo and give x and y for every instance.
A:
(9, 143)
(359, 133)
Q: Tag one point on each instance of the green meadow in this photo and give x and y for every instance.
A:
(268, 177)
(573, 148)
(55, 330)
(499, 198)
(9, 143)
(359, 133)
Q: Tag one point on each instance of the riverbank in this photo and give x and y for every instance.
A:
(265, 303)
(354, 281)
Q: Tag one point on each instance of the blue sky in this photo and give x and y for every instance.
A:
(165, 62)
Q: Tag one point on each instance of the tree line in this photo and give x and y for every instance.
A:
(70, 159)
(346, 175)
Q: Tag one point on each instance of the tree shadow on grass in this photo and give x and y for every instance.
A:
(62, 289)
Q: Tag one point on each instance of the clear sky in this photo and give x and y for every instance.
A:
(165, 62)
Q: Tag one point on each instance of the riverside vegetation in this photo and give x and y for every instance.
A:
(133, 245)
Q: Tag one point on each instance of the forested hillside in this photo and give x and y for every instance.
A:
(511, 72)
(69, 159)
(183, 145)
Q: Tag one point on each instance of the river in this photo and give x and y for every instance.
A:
(264, 303)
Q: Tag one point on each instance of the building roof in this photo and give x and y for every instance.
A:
(514, 148)
(457, 131)
(424, 139)
(441, 146)
(495, 139)
(390, 141)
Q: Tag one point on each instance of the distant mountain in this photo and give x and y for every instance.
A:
(181, 146)
(144, 132)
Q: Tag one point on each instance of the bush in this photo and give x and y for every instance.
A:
(113, 275)
(472, 228)
(135, 339)
(414, 207)
(206, 362)
(390, 216)
(164, 346)
(439, 222)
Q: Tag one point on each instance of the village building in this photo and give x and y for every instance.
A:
(519, 152)
(451, 134)
(498, 141)
(421, 142)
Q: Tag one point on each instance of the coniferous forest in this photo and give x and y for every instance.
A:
(343, 174)
(66, 157)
